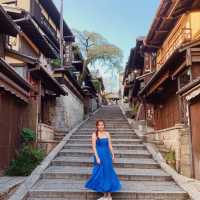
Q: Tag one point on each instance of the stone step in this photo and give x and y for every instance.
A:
(59, 138)
(62, 189)
(114, 141)
(115, 146)
(87, 136)
(108, 129)
(118, 153)
(109, 123)
(80, 173)
(107, 126)
(119, 162)
(110, 119)
(141, 176)
(117, 132)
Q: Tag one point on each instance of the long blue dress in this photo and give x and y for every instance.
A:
(104, 177)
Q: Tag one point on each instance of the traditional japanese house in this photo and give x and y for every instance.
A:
(14, 97)
(133, 70)
(172, 42)
(88, 87)
(38, 40)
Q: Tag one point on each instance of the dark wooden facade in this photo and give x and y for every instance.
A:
(14, 97)
(173, 89)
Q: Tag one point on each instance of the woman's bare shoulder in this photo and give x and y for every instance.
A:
(107, 133)
(93, 134)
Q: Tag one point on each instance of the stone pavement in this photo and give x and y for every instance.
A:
(8, 185)
(141, 176)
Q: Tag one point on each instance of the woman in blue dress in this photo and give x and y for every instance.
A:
(104, 178)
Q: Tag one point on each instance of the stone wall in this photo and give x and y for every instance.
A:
(45, 132)
(45, 138)
(94, 104)
(68, 113)
(176, 138)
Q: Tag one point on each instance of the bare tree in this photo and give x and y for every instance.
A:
(96, 50)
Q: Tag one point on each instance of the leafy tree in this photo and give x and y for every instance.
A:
(97, 51)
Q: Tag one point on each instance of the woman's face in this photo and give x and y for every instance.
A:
(100, 126)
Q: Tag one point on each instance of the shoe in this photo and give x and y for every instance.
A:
(102, 198)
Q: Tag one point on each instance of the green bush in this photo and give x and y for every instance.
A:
(28, 135)
(25, 162)
(56, 62)
(170, 156)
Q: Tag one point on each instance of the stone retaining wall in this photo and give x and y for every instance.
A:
(176, 138)
(69, 112)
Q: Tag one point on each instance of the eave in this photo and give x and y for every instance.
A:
(12, 82)
(51, 9)
(166, 17)
(64, 77)
(8, 27)
(31, 29)
(40, 73)
(163, 69)
(189, 87)
(23, 57)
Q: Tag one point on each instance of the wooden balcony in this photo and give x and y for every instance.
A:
(182, 33)
(179, 38)
(36, 13)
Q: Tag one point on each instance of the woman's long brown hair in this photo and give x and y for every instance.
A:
(97, 123)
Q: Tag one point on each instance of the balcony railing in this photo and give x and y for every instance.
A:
(176, 39)
(49, 28)
(36, 13)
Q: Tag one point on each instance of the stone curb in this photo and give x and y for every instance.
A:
(187, 184)
(22, 192)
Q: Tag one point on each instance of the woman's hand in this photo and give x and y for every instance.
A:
(98, 160)
(113, 156)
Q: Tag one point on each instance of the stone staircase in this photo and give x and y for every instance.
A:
(141, 176)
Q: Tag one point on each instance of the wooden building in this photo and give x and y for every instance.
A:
(133, 80)
(14, 96)
(32, 53)
(173, 45)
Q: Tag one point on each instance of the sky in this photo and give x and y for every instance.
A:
(119, 21)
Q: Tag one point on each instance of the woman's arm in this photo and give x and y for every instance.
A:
(110, 144)
(94, 146)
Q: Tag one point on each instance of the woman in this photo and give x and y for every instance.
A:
(104, 178)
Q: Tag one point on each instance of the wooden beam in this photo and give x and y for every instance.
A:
(173, 8)
(158, 83)
(13, 87)
(195, 49)
(162, 31)
(195, 58)
(152, 46)
(180, 68)
(188, 57)
(36, 50)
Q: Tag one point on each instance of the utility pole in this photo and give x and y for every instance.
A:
(61, 33)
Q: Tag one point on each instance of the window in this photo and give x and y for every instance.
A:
(21, 71)
(12, 42)
(184, 78)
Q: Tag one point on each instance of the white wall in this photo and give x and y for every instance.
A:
(69, 111)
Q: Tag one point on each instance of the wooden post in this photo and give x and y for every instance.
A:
(61, 33)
